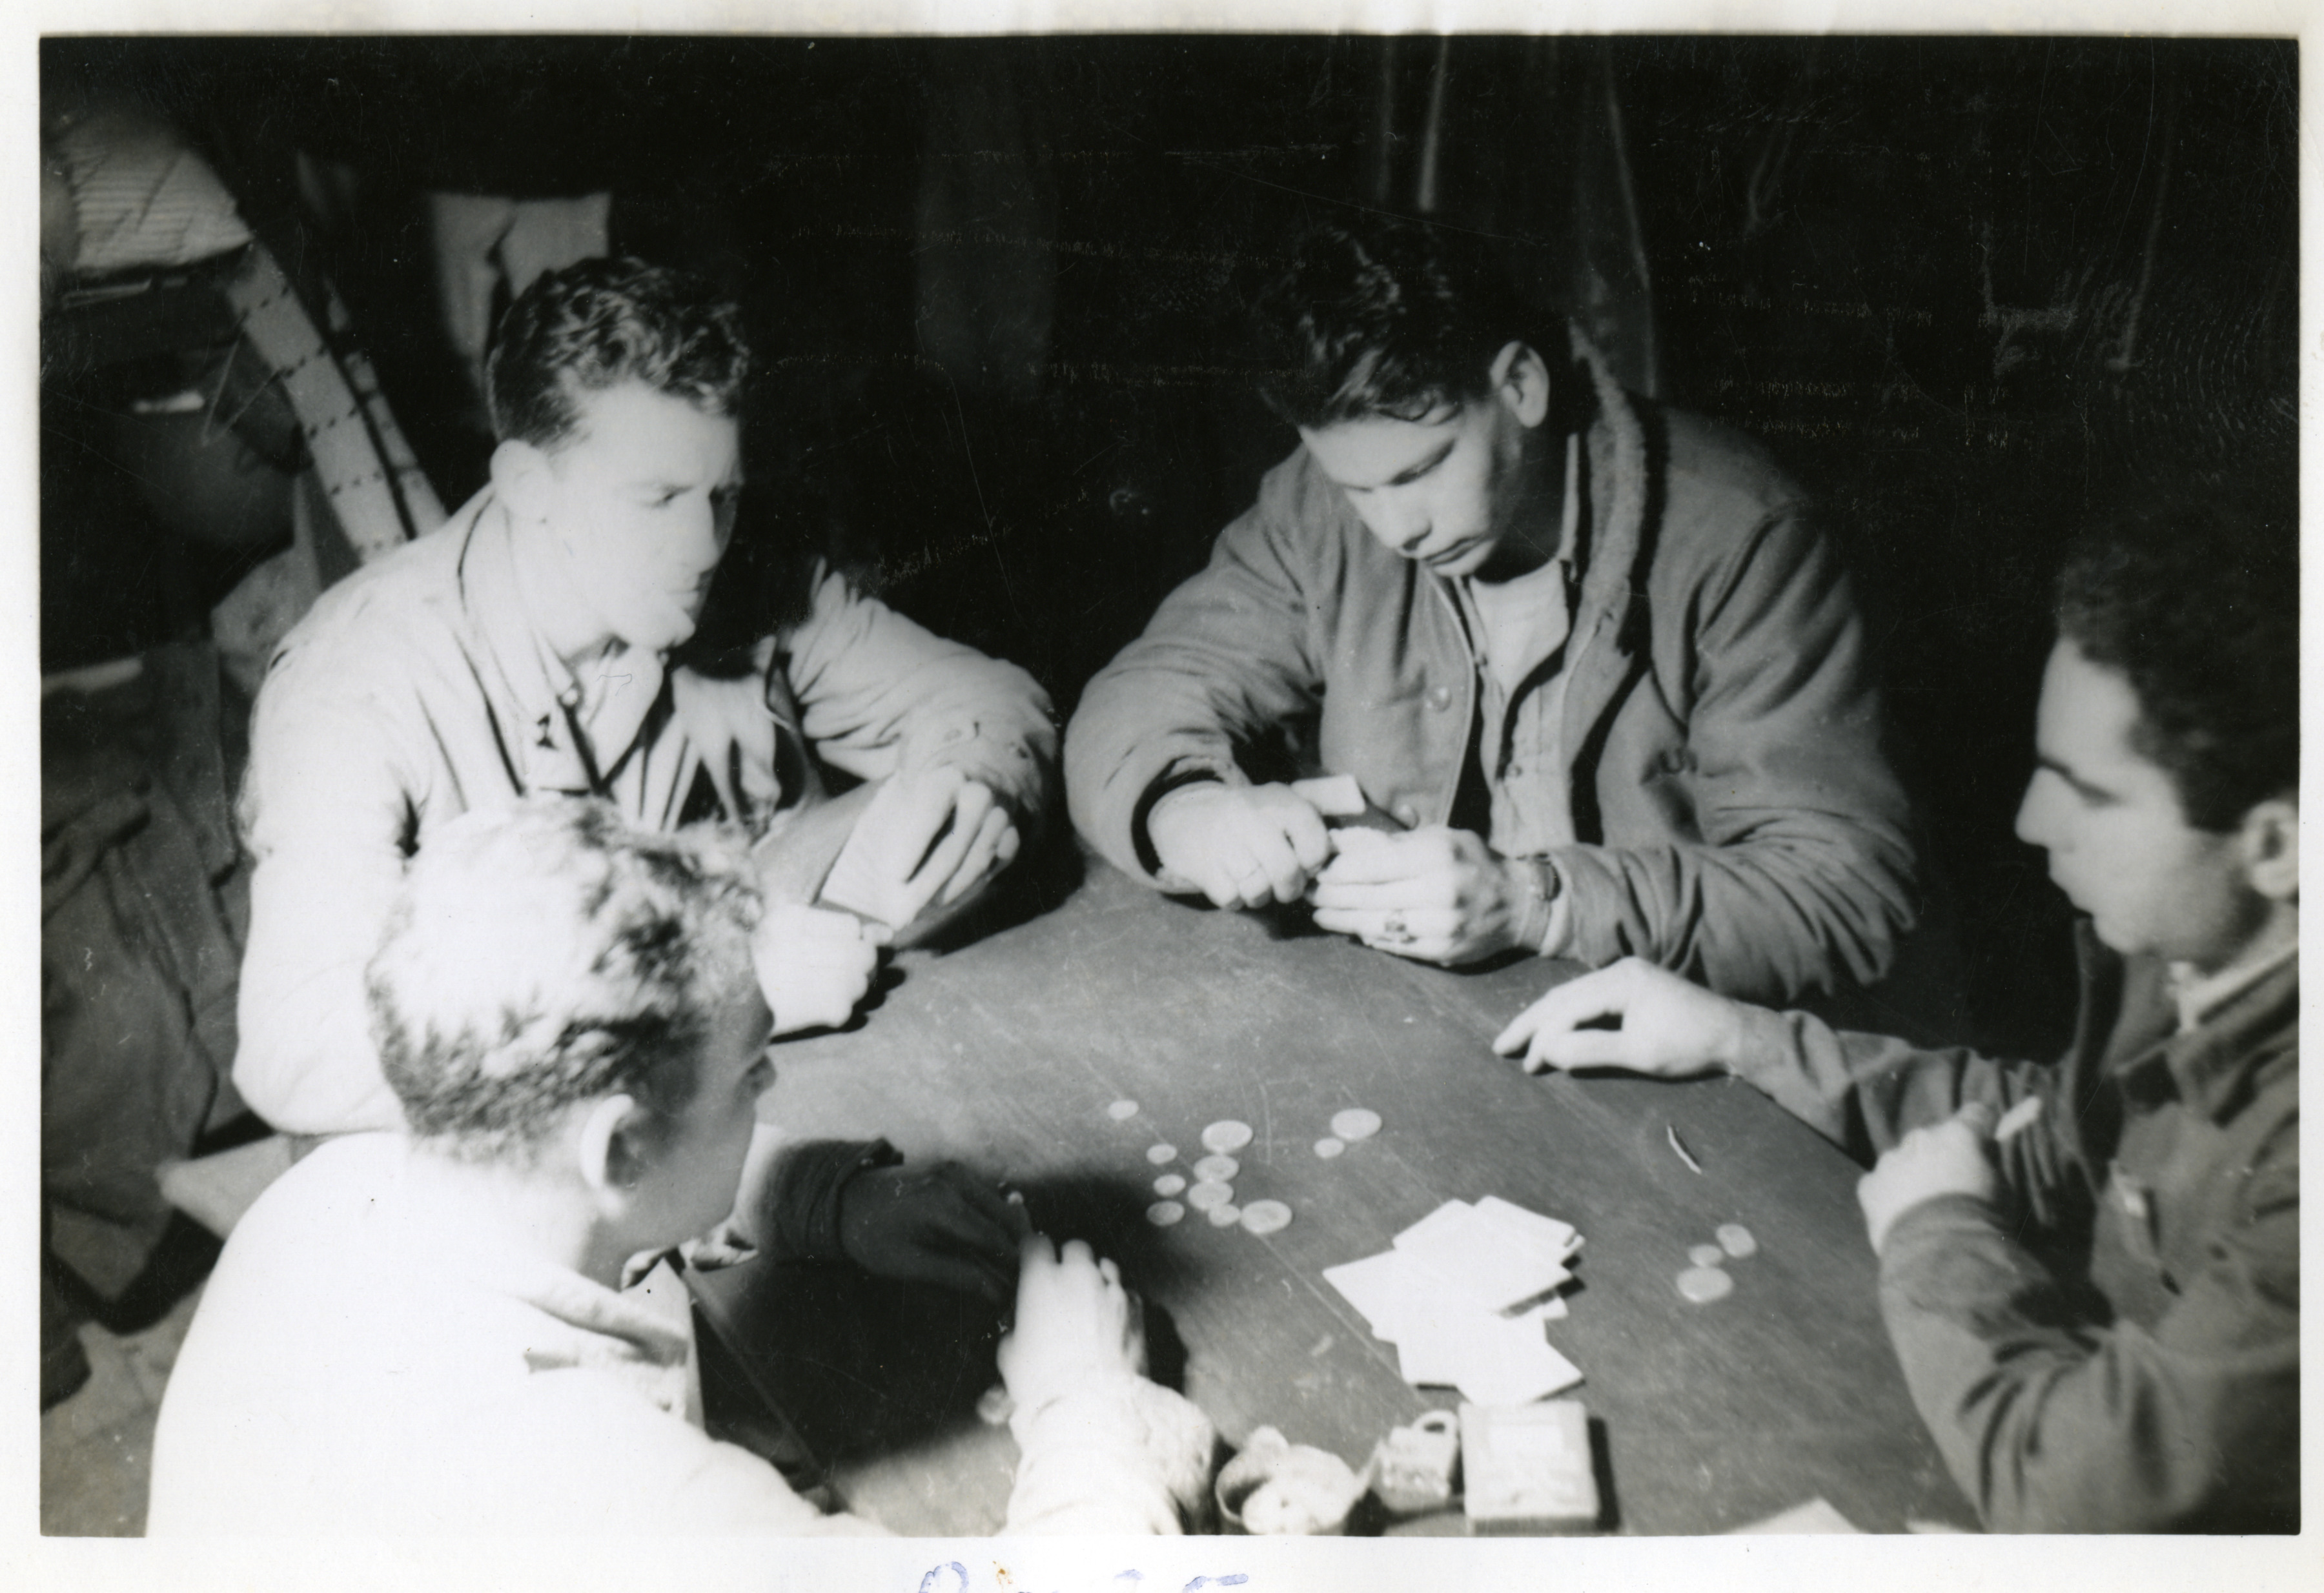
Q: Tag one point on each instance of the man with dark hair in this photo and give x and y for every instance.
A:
(1598, 677)
(2091, 1272)
(522, 648)
(426, 1334)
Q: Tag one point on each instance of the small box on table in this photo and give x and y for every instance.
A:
(1526, 1468)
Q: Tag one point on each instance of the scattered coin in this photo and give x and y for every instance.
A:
(1702, 1285)
(1160, 1154)
(1266, 1217)
(1220, 1168)
(1209, 1193)
(1736, 1240)
(1706, 1254)
(1225, 1216)
(1121, 1111)
(1169, 1184)
(1355, 1123)
(1327, 1147)
(1226, 1137)
(1163, 1213)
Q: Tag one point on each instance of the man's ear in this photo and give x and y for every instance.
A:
(612, 1151)
(2269, 843)
(520, 479)
(1520, 379)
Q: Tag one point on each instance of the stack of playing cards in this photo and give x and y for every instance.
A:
(1463, 1297)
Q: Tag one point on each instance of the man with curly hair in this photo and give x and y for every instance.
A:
(426, 1334)
(2090, 1271)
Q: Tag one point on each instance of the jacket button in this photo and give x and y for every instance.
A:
(1406, 815)
(1440, 697)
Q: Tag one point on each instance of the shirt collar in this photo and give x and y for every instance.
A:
(552, 700)
(2212, 1059)
(2198, 996)
(1569, 531)
(644, 1330)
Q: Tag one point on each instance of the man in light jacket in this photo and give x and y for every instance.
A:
(1598, 676)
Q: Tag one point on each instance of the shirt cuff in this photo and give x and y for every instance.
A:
(1176, 779)
(797, 1218)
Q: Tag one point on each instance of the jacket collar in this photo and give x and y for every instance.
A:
(2214, 1066)
(2215, 1063)
(1614, 454)
(1605, 639)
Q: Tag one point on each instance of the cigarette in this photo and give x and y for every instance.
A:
(2017, 1120)
(1678, 1146)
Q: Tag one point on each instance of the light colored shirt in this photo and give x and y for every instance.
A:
(419, 688)
(1518, 629)
(356, 1367)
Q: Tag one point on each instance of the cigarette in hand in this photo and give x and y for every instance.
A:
(2017, 1120)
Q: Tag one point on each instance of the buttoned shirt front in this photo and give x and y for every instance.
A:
(1519, 632)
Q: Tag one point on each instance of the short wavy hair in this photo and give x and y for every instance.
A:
(546, 955)
(2196, 601)
(603, 323)
(1382, 316)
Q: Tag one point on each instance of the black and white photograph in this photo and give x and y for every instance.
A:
(1343, 783)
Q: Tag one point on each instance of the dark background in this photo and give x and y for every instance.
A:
(1968, 291)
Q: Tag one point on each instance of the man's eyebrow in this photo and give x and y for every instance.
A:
(2096, 793)
(1420, 467)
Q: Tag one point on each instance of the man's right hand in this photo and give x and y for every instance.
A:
(1662, 1025)
(1075, 1322)
(1954, 1157)
(1242, 846)
(814, 965)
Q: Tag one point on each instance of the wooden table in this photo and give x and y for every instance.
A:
(1007, 1054)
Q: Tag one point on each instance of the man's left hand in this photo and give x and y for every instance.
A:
(925, 840)
(1436, 895)
(1950, 1158)
(937, 1224)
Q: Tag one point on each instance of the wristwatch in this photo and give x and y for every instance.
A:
(1538, 877)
